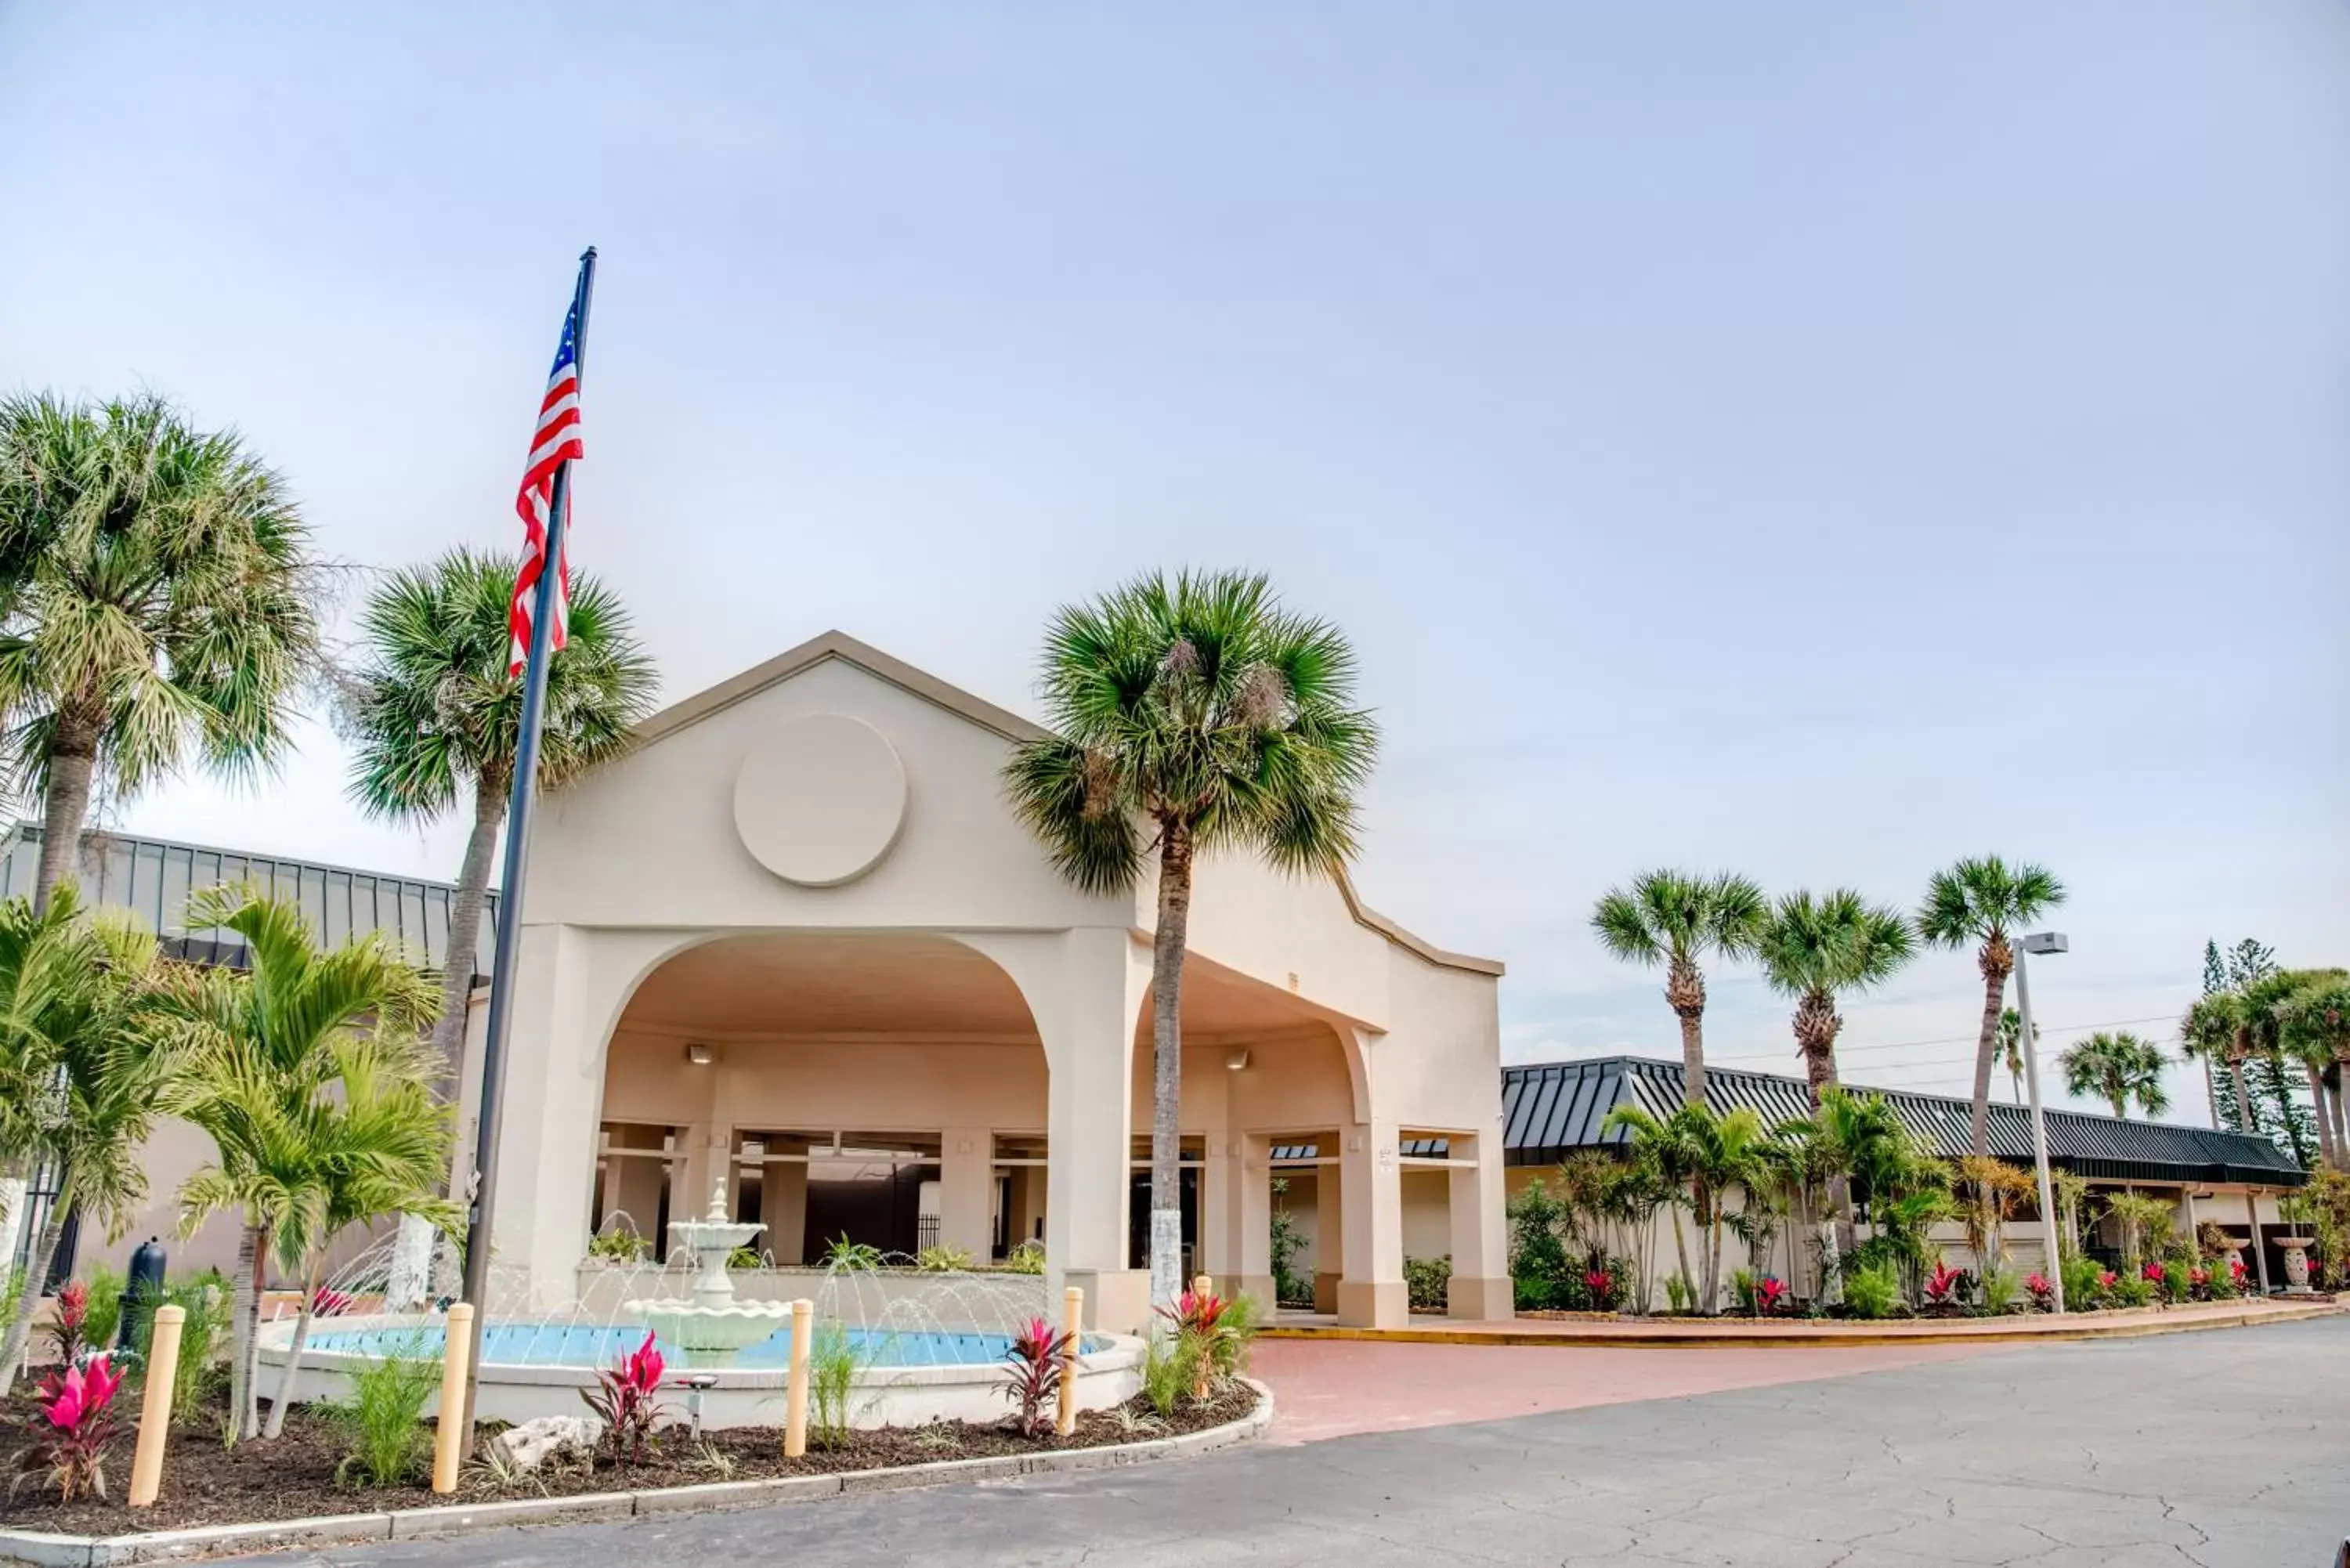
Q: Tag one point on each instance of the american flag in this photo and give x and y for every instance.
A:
(555, 443)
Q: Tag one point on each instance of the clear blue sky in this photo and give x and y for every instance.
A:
(1818, 440)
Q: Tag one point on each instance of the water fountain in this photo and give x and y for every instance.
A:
(711, 1325)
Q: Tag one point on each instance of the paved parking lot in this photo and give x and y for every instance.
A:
(2222, 1449)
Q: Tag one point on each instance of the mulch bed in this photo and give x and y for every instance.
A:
(293, 1475)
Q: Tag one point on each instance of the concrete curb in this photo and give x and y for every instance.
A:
(46, 1550)
(1806, 1336)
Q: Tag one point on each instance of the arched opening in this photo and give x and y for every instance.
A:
(884, 1089)
(1267, 1094)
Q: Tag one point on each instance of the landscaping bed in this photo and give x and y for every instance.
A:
(293, 1476)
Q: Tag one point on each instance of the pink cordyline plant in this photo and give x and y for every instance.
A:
(67, 1330)
(1033, 1369)
(624, 1396)
(2042, 1289)
(74, 1423)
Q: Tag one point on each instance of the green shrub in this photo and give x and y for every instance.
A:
(619, 1246)
(1285, 1241)
(383, 1417)
(1873, 1292)
(1028, 1257)
(1425, 1281)
(2132, 1290)
(2082, 1289)
(1678, 1293)
(943, 1260)
(857, 1257)
(836, 1362)
(203, 1365)
(2223, 1282)
(2002, 1290)
(103, 1320)
(1171, 1363)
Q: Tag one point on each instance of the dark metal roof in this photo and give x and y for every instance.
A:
(153, 876)
(1554, 1108)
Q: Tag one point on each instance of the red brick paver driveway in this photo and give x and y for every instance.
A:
(1330, 1389)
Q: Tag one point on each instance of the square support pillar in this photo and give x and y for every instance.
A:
(1371, 1294)
(967, 1189)
(783, 1204)
(1329, 1228)
(1221, 1178)
(1251, 1174)
(1481, 1285)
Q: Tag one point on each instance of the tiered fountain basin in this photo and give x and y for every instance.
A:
(531, 1369)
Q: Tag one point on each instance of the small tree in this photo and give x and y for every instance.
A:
(2121, 1068)
(267, 1050)
(82, 1074)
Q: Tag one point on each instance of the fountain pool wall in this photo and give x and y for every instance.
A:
(532, 1369)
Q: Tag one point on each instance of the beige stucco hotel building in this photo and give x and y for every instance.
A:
(795, 943)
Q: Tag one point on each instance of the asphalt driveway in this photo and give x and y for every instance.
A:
(2218, 1448)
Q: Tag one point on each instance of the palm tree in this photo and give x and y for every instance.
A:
(157, 596)
(2215, 1029)
(433, 717)
(82, 1077)
(2315, 1023)
(1813, 949)
(1983, 902)
(1665, 1150)
(2011, 1049)
(1673, 918)
(377, 1145)
(2120, 1067)
(265, 1048)
(1189, 716)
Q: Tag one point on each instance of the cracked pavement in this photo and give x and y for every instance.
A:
(2215, 1449)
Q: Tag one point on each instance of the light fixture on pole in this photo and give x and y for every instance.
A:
(2040, 942)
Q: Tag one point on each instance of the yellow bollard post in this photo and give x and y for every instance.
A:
(1205, 1286)
(448, 1430)
(155, 1405)
(1073, 1323)
(796, 1391)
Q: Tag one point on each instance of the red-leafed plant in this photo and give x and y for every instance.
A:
(327, 1303)
(73, 1423)
(1602, 1286)
(1197, 1316)
(2042, 1289)
(2198, 1283)
(1943, 1286)
(67, 1330)
(1770, 1295)
(2236, 1271)
(2156, 1274)
(625, 1397)
(1033, 1369)
(2107, 1279)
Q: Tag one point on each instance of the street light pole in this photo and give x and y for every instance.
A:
(2042, 942)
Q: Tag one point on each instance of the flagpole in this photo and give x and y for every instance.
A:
(483, 1188)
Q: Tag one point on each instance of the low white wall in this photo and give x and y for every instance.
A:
(887, 1395)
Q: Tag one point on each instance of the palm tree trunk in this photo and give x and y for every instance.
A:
(2243, 1099)
(244, 1319)
(1685, 993)
(1701, 1205)
(1166, 1061)
(1680, 1247)
(459, 963)
(285, 1396)
(2323, 1117)
(2211, 1094)
(44, 1257)
(1986, 1053)
(65, 806)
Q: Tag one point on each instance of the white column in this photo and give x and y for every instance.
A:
(1330, 1226)
(567, 995)
(1371, 1292)
(1253, 1170)
(966, 1190)
(1481, 1284)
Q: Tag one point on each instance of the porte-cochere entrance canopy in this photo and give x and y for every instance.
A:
(796, 943)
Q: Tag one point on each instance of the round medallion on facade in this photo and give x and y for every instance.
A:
(820, 800)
